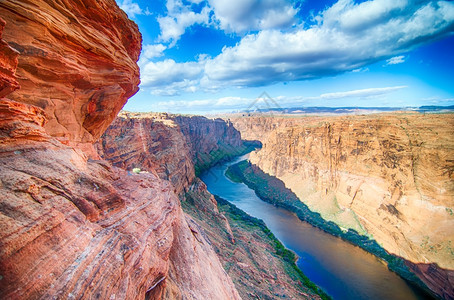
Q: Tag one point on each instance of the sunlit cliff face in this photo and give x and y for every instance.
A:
(386, 175)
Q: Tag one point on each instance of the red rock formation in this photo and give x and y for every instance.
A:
(205, 135)
(78, 228)
(149, 141)
(8, 65)
(209, 140)
(169, 144)
(77, 63)
(71, 227)
(155, 140)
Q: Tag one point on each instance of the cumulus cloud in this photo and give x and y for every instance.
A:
(230, 15)
(346, 36)
(334, 46)
(174, 26)
(132, 9)
(170, 78)
(152, 51)
(249, 15)
(179, 17)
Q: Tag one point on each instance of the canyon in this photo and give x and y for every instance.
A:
(74, 226)
(175, 146)
(106, 221)
(387, 176)
(98, 206)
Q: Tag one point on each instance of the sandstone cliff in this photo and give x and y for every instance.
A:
(389, 176)
(210, 141)
(149, 141)
(77, 62)
(73, 227)
(174, 144)
(177, 147)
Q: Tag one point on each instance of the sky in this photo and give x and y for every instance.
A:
(214, 56)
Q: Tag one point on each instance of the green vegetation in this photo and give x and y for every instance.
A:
(204, 161)
(273, 190)
(240, 218)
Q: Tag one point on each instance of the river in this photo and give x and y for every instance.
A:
(343, 270)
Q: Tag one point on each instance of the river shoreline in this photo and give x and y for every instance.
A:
(393, 263)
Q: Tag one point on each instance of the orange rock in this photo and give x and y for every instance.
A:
(8, 65)
(20, 123)
(151, 142)
(72, 227)
(77, 62)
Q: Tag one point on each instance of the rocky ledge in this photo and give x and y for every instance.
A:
(73, 226)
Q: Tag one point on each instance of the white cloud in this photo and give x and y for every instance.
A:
(248, 15)
(334, 46)
(347, 37)
(228, 104)
(152, 51)
(363, 93)
(170, 78)
(395, 60)
(231, 15)
(179, 17)
(360, 70)
(132, 9)
(348, 16)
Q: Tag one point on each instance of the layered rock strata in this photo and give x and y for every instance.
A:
(77, 63)
(78, 228)
(8, 65)
(177, 147)
(149, 141)
(210, 140)
(389, 176)
(173, 143)
(74, 227)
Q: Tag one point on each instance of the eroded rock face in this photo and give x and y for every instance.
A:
(169, 144)
(155, 140)
(73, 227)
(388, 175)
(209, 139)
(149, 141)
(8, 65)
(77, 228)
(207, 135)
(77, 62)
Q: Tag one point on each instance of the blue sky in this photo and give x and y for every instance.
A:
(209, 56)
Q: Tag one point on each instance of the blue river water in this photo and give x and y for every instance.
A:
(343, 270)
